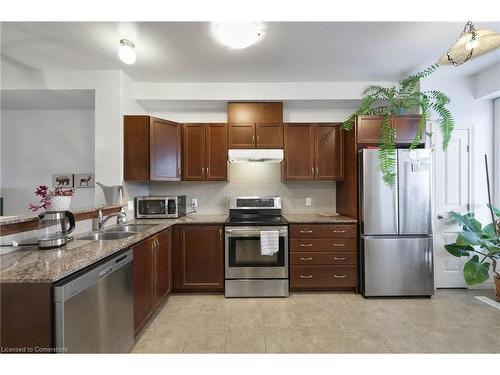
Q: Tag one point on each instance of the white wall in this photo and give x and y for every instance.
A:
(474, 114)
(496, 149)
(38, 143)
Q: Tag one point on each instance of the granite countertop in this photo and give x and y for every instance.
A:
(45, 266)
(317, 219)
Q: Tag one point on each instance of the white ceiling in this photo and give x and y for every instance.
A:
(290, 51)
(47, 99)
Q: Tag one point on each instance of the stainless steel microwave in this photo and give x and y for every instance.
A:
(160, 207)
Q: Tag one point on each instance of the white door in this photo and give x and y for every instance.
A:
(452, 193)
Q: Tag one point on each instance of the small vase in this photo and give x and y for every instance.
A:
(59, 203)
(497, 287)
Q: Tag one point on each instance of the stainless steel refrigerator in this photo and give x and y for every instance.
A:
(396, 257)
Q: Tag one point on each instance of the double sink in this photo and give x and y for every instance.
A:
(118, 232)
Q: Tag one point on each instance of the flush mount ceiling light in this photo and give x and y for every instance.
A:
(238, 35)
(126, 52)
(472, 42)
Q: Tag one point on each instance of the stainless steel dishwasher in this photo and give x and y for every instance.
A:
(94, 310)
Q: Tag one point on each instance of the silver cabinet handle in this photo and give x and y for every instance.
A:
(220, 235)
(339, 244)
(306, 276)
(339, 258)
(206, 171)
(306, 231)
(309, 258)
(253, 138)
(317, 171)
(339, 231)
(312, 171)
(339, 276)
(306, 245)
(258, 139)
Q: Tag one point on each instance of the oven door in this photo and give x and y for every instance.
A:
(244, 259)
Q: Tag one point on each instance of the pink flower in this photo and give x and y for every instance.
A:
(45, 194)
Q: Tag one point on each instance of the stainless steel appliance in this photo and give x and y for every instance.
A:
(94, 310)
(395, 226)
(248, 273)
(52, 229)
(160, 207)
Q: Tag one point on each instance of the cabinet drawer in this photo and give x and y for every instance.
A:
(323, 230)
(322, 258)
(323, 276)
(324, 244)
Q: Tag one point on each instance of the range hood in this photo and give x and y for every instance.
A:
(259, 155)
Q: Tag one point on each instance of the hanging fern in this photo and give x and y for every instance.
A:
(386, 101)
(387, 151)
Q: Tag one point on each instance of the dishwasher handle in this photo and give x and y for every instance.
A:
(69, 288)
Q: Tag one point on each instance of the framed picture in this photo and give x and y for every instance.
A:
(62, 180)
(84, 180)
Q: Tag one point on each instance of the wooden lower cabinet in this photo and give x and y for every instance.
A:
(152, 276)
(199, 258)
(323, 257)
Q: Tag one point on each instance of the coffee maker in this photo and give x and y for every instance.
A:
(52, 229)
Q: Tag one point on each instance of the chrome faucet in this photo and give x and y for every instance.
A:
(121, 218)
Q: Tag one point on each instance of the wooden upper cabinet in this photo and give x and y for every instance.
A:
(269, 135)
(152, 149)
(328, 152)
(193, 152)
(299, 152)
(255, 125)
(216, 152)
(204, 152)
(201, 258)
(368, 129)
(241, 135)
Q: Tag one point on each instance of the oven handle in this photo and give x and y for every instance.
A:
(243, 232)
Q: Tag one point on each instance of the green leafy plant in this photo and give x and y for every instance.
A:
(480, 244)
(388, 101)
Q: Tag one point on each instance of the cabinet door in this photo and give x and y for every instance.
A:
(193, 152)
(328, 152)
(165, 150)
(136, 148)
(143, 282)
(241, 135)
(368, 129)
(299, 152)
(201, 258)
(162, 266)
(269, 135)
(216, 152)
(406, 128)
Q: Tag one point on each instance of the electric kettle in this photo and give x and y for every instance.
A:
(52, 229)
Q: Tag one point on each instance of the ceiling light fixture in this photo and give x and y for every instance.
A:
(472, 42)
(126, 52)
(238, 35)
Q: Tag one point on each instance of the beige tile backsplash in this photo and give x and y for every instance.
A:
(252, 179)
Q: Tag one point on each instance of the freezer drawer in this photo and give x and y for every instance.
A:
(397, 266)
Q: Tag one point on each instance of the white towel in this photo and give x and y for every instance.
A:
(269, 242)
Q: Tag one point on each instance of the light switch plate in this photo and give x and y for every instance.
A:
(308, 202)
(194, 203)
(130, 205)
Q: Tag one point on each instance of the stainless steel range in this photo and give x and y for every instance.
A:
(248, 272)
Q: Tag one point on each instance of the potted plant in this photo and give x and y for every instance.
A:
(389, 101)
(58, 199)
(481, 244)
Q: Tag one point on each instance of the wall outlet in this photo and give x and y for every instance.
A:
(194, 203)
(130, 205)
(308, 202)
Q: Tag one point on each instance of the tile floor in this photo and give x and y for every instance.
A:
(453, 321)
